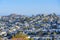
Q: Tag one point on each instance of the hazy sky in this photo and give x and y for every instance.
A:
(29, 7)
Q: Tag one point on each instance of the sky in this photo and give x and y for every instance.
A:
(29, 7)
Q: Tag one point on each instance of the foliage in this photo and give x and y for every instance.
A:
(22, 36)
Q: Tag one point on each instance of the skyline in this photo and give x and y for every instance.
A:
(29, 7)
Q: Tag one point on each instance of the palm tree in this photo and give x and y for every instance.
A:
(21, 36)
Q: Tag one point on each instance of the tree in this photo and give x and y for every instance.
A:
(0, 37)
(21, 36)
